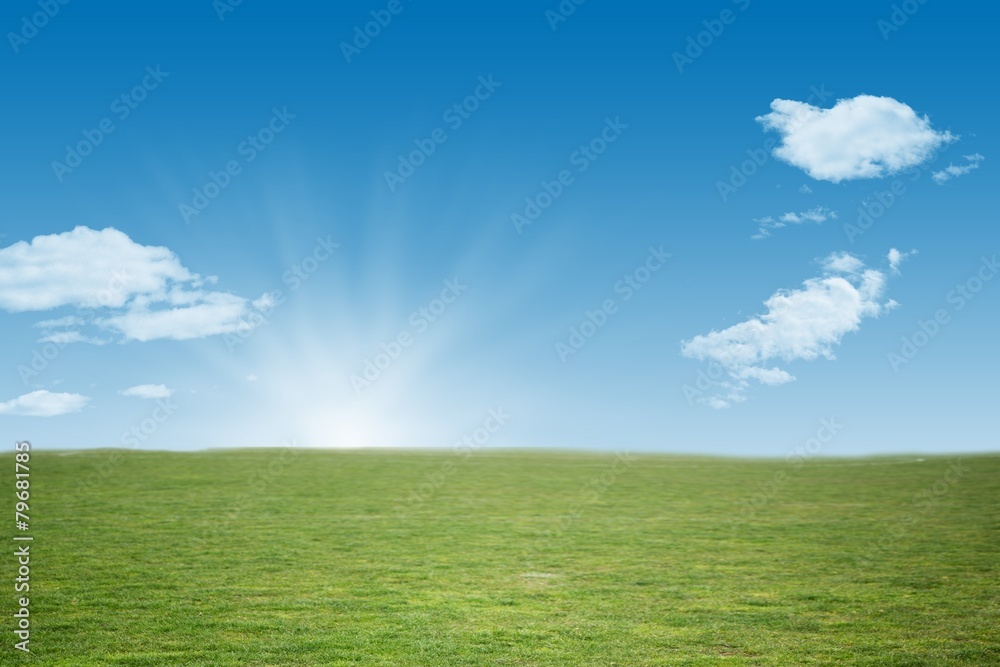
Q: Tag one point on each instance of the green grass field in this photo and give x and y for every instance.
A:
(272, 557)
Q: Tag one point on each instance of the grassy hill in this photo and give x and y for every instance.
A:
(287, 557)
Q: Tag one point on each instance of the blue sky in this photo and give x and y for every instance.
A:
(280, 231)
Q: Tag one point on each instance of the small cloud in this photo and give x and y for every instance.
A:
(65, 330)
(951, 171)
(800, 324)
(861, 137)
(769, 376)
(805, 189)
(44, 403)
(817, 215)
(251, 378)
(67, 337)
(842, 262)
(265, 302)
(68, 321)
(148, 391)
(896, 258)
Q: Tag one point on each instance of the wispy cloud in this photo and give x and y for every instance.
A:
(148, 391)
(951, 171)
(818, 214)
(896, 258)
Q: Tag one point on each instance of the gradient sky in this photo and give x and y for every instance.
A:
(350, 256)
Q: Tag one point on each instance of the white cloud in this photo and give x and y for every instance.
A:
(860, 137)
(134, 291)
(896, 258)
(67, 337)
(68, 321)
(265, 302)
(771, 376)
(85, 268)
(805, 189)
(44, 403)
(148, 391)
(818, 214)
(800, 324)
(218, 313)
(842, 262)
(66, 330)
(951, 171)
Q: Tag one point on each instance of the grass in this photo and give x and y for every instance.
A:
(264, 557)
